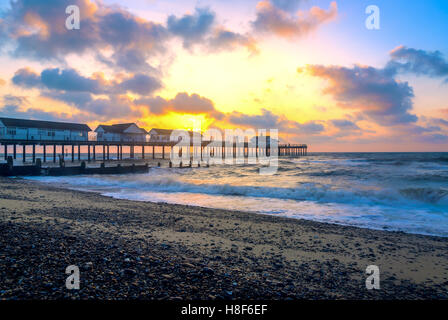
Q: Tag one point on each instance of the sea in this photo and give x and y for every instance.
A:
(405, 192)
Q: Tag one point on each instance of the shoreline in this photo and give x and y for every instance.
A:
(203, 253)
(342, 224)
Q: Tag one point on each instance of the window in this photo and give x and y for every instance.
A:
(11, 131)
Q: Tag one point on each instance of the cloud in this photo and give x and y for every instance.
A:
(372, 91)
(273, 18)
(311, 127)
(69, 80)
(227, 40)
(182, 103)
(15, 107)
(418, 62)
(202, 29)
(268, 120)
(345, 125)
(37, 30)
(141, 84)
(287, 5)
(27, 78)
(192, 28)
(115, 107)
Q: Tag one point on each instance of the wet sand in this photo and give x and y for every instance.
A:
(142, 250)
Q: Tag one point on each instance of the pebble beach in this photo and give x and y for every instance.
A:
(143, 250)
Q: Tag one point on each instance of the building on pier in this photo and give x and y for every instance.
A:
(164, 135)
(37, 130)
(124, 132)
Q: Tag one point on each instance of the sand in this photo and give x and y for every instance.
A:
(142, 250)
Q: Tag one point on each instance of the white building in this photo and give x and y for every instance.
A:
(160, 135)
(125, 132)
(22, 129)
(163, 135)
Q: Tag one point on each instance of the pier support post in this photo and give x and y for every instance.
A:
(6, 151)
(108, 154)
(104, 152)
(79, 152)
(15, 152)
(34, 153)
(143, 151)
(23, 153)
(45, 152)
(94, 152)
(88, 152)
(54, 153)
(153, 152)
(163, 152)
(73, 153)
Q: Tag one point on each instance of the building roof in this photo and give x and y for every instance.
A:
(169, 131)
(25, 123)
(119, 128)
(166, 132)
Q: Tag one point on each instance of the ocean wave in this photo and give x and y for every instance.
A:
(316, 192)
(427, 195)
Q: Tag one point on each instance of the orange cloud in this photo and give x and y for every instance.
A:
(271, 19)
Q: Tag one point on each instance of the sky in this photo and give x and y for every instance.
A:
(311, 69)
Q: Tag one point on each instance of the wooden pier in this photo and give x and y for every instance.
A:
(101, 150)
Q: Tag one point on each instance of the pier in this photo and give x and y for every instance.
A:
(53, 155)
(113, 150)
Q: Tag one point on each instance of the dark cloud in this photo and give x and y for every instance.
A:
(201, 29)
(141, 84)
(192, 28)
(372, 91)
(311, 128)
(228, 40)
(273, 18)
(344, 124)
(69, 80)
(419, 62)
(112, 107)
(37, 29)
(76, 99)
(26, 78)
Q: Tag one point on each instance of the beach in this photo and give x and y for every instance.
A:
(142, 250)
